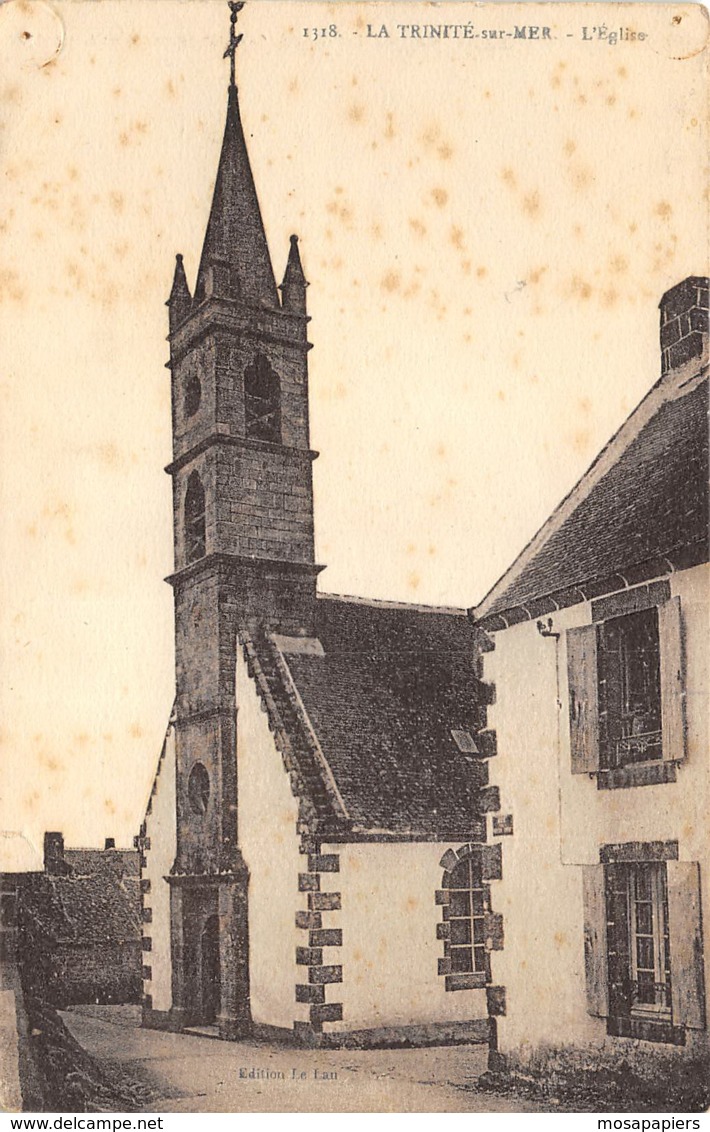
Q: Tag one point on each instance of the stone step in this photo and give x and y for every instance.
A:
(202, 1031)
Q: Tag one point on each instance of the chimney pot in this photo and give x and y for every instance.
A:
(54, 853)
(684, 323)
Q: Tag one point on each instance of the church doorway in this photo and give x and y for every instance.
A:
(211, 977)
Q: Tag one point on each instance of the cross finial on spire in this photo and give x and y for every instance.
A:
(235, 7)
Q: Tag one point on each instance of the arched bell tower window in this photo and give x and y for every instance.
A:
(193, 395)
(262, 401)
(195, 543)
(198, 789)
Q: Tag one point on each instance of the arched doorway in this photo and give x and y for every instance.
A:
(210, 970)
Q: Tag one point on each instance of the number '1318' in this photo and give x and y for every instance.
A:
(330, 32)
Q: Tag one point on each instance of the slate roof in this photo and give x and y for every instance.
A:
(368, 711)
(650, 507)
(96, 901)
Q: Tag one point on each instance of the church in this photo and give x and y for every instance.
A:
(327, 855)
(315, 846)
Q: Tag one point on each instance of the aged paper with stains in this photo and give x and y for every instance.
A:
(487, 216)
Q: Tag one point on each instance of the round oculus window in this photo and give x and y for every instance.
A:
(198, 789)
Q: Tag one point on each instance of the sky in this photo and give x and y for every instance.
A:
(487, 225)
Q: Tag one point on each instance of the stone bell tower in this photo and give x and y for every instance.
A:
(243, 536)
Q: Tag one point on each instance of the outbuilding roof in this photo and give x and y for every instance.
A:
(366, 710)
(97, 899)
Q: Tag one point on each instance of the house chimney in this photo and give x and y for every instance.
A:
(54, 863)
(110, 843)
(684, 323)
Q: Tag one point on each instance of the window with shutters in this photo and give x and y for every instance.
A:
(627, 694)
(643, 943)
(639, 945)
(262, 401)
(629, 688)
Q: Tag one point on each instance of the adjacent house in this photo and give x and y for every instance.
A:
(598, 667)
(79, 925)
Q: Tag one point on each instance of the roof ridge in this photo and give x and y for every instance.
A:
(282, 737)
(303, 718)
(385, 603)
(159, 765)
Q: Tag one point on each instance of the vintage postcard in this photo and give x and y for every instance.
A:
(359, 762)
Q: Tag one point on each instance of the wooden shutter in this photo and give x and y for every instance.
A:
(596, 968)
(672, 680)
(686, 940)
(583, 698)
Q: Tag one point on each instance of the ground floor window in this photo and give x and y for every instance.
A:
(643, 942)
(469, 928)
(639, 944)
(467, 907)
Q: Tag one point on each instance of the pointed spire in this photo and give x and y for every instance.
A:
(235, 261)
(180, 299)
(293, 288)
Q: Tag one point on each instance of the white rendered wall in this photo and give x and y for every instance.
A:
(267, 816)
(161, 830)
(561, 820)
(390, 950)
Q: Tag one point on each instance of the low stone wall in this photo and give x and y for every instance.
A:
(647, 1080)
(56, 1075)
(70, 1080)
